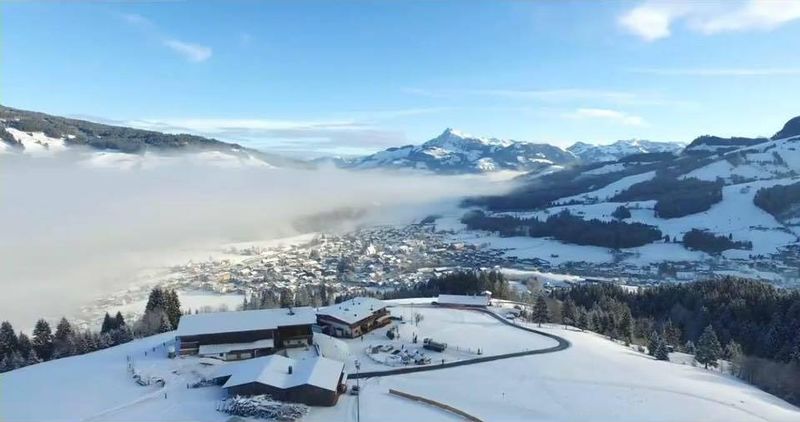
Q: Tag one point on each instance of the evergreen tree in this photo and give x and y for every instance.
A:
(43, 340)
(652, 343)
(568, 312)
(24, 346)
(119, 320)
(708, 348)
(541, 314)
(108, 324)
(8, 340)
(689, 347)
(172, 307)
(625, 325)
(583, 319)
(63, 341)
(662, 352)
(156, 300)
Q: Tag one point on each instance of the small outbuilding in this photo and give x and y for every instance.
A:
(477, 301)
(313, 380)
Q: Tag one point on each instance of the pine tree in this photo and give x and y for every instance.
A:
(652, 343)
(24, 346)
(173, 307)
(156, 300)
(625, 325)
(8, 340)
(662, 352)
(43, 340)
(708, 348)
(119, 320)
(583, 320)
(108, 324)
(568, 312)
(63, 341)
(541, 314)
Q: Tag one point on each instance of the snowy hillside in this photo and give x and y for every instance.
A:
(591, 153)
(593, 380)
(455, 152)
(27, 133)
(757, 244)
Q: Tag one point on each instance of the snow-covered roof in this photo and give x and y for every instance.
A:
(353, 310)
(479, 300)
(229, 322)
(273, 370)
(214, 349)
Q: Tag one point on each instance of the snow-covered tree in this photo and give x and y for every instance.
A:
(43, 340)
(8, 339)
(708, 348)
(541, 314)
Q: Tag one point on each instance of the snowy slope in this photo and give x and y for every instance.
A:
(457, 152)
(591, 153)
(594, 380)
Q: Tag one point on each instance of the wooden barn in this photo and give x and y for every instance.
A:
(477, 301)
(244, 334)
(353, 317)
(314, 380)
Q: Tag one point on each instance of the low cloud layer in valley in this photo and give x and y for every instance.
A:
(71, 232)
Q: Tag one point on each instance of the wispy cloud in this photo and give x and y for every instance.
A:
(363, 131)
(614, 116)
(733, 71)
(564, 95)
(192, 52)
(654, 19)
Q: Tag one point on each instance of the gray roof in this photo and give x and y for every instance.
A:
(231, 322)
(479, 300)
(353, 310)
(273, 370)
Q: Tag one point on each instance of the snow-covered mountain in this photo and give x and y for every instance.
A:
(590, 153)
(455, 152)
(41, 135)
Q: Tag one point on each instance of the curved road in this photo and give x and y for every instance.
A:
(563, 344)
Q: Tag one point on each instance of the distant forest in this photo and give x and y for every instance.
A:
(567, 228)
(779, 199)
(674, 197)
(702, 240)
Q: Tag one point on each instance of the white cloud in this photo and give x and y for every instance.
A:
(654, 19)
(190, 51)
(733, 71)
(608, 115)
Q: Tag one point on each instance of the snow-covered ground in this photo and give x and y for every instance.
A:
(594, 380)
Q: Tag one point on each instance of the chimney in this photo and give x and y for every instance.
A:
(290, 369)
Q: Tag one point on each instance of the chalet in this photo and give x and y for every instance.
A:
(478, 301)
(353, 317)
(315, 381)
(244, 334)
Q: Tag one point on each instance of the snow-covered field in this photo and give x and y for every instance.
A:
(594, 380)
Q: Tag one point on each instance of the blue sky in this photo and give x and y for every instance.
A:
(357, 76)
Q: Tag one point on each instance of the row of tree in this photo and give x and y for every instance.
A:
(18, 350)
(674, 197)
(162, 313)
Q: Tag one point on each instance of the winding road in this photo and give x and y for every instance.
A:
(563, 344)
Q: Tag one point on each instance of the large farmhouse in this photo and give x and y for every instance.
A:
(245, 334)
(353, 317)
(315, 381)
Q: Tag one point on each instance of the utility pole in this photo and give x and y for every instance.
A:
(358, 396)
